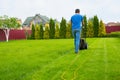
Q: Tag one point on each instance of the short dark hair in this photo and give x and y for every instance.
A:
(77, 10)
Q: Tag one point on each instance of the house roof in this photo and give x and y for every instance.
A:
(113, 24)
(29, 19)
(46, 19)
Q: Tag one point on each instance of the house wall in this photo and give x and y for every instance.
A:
(14, 34)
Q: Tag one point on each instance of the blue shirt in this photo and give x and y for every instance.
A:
(76, 21)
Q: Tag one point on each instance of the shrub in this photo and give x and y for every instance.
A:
(114, 34)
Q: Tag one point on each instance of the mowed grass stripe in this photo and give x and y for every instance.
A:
(90, 54)
(105, 59)
(78, 60)
(66, 72)
(94, 64)
(63, 61)
(39, 74)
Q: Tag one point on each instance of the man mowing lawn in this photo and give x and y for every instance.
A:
(76, 21)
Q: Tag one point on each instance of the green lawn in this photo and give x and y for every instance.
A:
(56, 60)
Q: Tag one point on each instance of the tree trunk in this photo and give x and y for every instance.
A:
(7, 34)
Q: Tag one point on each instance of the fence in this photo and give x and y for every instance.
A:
(14, 34)
(110, 29)
(21, 34)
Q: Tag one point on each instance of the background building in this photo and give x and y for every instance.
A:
(37, 19)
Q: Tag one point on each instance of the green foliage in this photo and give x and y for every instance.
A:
(91, 28)
(113, 34)
(52, 28)
(37, 31)
(57, 31)
(102, 31)
(13, 23)
(3, 21)
(46, 33)
(84, 27)
(33, 32)
(27, 35)
(63, 28)
(96, 26)
(6, 22)
(68, 31)
(90, 31)
(0, 21)
(41, 31)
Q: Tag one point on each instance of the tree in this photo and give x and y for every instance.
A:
(37, 31)
(90, 31)
(52, 28)
(33, 32)
(84, 27)
(102, 31)
(1, 21)
(63, 28)
(41, 31)
(57, 31)
(68, 31)
(46, 32)
(96, 26)
(7, 24)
